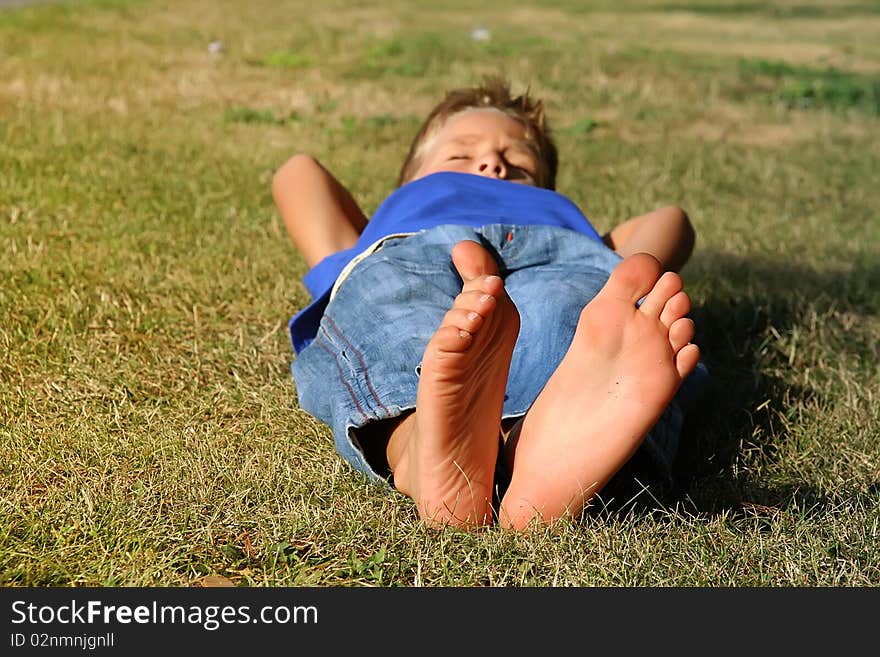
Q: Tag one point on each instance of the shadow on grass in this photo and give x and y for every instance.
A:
(748, 309)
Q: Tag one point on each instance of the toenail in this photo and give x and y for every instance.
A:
(492, 276)
(464, 334)
(485, 298)
(473, 316)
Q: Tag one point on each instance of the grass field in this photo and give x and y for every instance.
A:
(149, 428)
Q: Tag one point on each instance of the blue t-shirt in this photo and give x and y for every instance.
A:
(436, 200)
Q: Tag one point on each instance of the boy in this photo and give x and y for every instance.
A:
(477, 335)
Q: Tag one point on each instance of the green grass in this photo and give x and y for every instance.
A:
(283, 59)
(149, 427)
(807, 88)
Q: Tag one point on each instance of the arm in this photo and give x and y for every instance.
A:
(320, 214)
(667, 234)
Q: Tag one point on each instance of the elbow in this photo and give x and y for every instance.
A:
(687, 236)
(296, 165)
(291, 171)
(684, 222)
(301, 161)
(677, 214)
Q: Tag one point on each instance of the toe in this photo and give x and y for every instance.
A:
(463, 319)
(677, 307)
(664, 289)
(686, 359)
(490, 284)
(472, 261)
(449, 339)
(680, 333)
(476, 300)
(634, 277)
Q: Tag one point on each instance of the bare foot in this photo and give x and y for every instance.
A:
(447, 463)
(623, 367)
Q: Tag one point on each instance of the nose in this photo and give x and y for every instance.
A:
(491, 165)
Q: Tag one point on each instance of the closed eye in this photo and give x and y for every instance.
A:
(524, 165)
(522, 171)
(528, 167)
(520, 160)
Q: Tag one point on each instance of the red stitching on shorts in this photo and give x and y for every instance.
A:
(363, 365)
(344, 382)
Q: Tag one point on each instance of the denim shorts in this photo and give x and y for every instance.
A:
(364, 363)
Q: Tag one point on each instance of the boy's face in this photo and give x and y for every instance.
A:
(484, 142)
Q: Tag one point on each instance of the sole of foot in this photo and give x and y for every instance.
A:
(448, 463)
(624, 365)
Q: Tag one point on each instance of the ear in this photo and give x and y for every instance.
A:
(539, 115)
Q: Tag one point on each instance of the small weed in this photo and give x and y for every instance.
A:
(324, 106)
(580, 127)
(351, 125)
(380, 120)
(284, 59)
(250, 115)
(834, 90)
(751, 67)
(411, 56)
(372, 568)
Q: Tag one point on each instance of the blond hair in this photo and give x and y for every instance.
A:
(493, 93)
